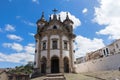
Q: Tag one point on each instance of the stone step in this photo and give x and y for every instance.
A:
(55, 77)
(57, 74)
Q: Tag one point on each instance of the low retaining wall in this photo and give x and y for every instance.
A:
(106, 63)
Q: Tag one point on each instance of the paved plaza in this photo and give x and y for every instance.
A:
(102, 75)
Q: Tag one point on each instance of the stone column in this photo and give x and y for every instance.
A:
(61, 64)
(71, 55)
(39, 53)
(48, 70)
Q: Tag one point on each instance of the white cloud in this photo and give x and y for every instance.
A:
(10, 0)
(9, 27)
(72, 17)
(30, 48)
(18, 17)
(84, 45)
(108, 14)
(35, 1)
(16, 57)
(85, 10)
(29, 23)
(15, 46)
(14, 37)
(31, 34)
(26, 55)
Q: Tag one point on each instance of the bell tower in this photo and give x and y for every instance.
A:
(54, 45)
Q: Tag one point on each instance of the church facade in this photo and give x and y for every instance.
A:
(54, 45)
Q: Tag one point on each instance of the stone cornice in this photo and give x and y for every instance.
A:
(56, 32)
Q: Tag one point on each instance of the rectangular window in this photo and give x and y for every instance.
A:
(107, 50)
(44, 45)
(114, 50)
(35, 51)
(117, 46)
(54, 44)
(104, 52)
(65, 45)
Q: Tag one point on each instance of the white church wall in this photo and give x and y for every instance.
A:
(106, 63)
(36, 57)
(54, 52)
(44, 38)
(65, 53)
(64, 38)
(44, 53)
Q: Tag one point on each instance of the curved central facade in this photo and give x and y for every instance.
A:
(54, 45)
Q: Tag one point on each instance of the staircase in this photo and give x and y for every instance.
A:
(58, 76)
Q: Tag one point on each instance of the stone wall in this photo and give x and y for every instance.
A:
(106, 63)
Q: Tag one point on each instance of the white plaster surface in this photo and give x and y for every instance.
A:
(54, 53)
(106, 63)
(65, 53)
(44, 38)
(36, 54)
(44, 53)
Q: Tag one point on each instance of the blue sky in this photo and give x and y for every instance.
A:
(96, 25)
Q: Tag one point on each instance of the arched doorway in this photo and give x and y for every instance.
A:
(54, 64)
(66, 65)
(43, 65)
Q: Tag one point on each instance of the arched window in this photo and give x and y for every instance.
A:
(54, 27)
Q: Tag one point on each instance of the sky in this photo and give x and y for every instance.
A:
(96, 24)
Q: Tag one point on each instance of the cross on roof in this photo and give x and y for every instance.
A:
(55, 10)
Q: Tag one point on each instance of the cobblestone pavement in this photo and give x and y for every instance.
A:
(102, 75)
(105, 75)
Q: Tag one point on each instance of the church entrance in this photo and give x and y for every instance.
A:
(66, 65)
(55, 65)
(43, 65)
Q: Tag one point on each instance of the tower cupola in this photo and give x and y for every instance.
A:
(68, 20)
(68, 23)
(41, 22)
(59, 18)
(54, 15)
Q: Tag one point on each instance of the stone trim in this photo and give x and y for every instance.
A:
(48, 56)
(39, 53)
(54, 32)
(61, 55)
(70, 54)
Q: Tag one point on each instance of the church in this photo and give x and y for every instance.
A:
(54, 52)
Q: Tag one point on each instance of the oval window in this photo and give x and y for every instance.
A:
(54, 27)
